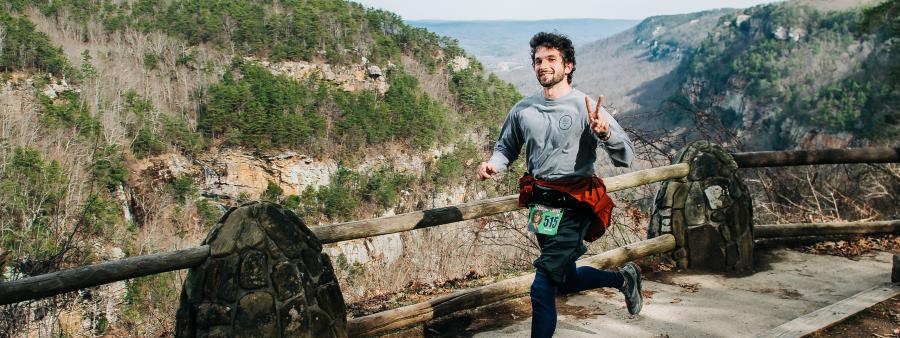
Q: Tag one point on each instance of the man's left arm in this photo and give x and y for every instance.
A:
(616, 143)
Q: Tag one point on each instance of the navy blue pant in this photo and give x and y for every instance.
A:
(556, 272)
(543, 293)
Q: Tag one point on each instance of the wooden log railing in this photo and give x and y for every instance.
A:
(55, 283)
(825, 229)
(809, 157)
(93, 275)
(428, 218)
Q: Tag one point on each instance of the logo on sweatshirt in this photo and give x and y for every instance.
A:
(565, 122)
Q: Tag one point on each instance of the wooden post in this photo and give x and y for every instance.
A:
(386, 321)
(808, 324)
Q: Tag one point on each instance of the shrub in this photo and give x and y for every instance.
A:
(209, 214)
(151, 60)
(99, 215)
(69, 111)
(177, 132)
(182, 188)
(451, 168)
(383, 185)
(108, 168)
(146, 143)
(338, 199)
(272, 193)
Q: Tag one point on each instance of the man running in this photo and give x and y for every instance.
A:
(561, 129)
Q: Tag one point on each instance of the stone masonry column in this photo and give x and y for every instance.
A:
(266, 277)
(709, 212)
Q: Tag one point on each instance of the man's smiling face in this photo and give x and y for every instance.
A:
(549, 67)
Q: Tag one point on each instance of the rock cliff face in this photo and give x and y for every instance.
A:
(232, 172)
(355, 77)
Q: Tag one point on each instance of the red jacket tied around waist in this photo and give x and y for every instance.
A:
(587, 190)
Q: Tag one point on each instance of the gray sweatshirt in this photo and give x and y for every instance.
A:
(557, 137)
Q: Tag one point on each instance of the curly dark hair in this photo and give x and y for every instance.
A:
(560, 42)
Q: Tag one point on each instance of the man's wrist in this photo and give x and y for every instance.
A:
(604, 136)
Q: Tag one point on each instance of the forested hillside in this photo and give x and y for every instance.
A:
(115, 114)
(786, 75)
(333, 32)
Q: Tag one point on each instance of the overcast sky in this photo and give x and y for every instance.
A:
(548, 9)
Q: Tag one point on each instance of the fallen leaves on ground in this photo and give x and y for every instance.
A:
(689, 287)
(581, 312)
(665, 266)
(854, 247)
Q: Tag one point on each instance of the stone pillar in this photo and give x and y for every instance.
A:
(266, 277)
(709, 212)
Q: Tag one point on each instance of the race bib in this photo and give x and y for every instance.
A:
(544, 220)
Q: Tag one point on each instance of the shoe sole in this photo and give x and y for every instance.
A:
(640, 304)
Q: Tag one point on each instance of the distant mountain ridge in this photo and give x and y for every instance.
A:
(502, 45)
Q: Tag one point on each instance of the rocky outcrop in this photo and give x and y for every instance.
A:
(17, 97)
(233, 172)
(792, 33)
(805, 137)
(459, 63)
(57, 86)
(354, 77)
(266, 277)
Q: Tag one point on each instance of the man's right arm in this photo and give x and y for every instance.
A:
(507, 149)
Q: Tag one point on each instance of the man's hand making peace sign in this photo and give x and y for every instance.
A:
(598, 121)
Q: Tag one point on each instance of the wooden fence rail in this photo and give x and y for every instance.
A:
(825, 229)
(55, 283)
(429, 218)
(823, 156)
